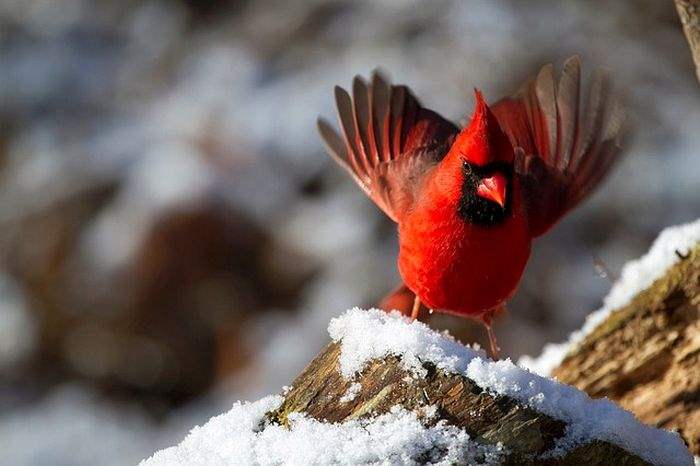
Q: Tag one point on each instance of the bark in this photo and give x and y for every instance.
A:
(646, 355)
(689, 13)
(525, 433)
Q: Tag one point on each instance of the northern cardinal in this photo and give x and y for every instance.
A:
(469, 201)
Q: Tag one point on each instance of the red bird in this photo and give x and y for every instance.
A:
(468, 202)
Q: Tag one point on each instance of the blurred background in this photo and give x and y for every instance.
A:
(174, 238)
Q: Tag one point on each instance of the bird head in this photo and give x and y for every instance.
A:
(484, 155)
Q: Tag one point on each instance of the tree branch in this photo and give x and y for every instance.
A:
(689, 13)
(646, 355)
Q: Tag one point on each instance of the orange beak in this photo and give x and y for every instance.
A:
(493, 188)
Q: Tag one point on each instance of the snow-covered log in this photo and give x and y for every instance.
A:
(390, 391)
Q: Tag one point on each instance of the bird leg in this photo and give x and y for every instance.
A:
(416, 308)
(495, 350)
(487, 319)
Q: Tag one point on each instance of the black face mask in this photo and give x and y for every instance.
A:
(476, 209)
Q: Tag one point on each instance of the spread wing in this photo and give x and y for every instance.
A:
(564, 146)
(389, 141)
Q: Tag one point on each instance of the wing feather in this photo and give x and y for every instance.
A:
(568, 108)
(360, 113)
(380, 109)
(335, 146)
(546, 105)
(398, 99)
(562, 152)
(347, 124)
(388, 143)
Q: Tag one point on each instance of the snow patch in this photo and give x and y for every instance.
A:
(351, 394)
(552, 355)
(229, 437)
(396, 438)
(636, 276)
(374, 334)
(368, 335)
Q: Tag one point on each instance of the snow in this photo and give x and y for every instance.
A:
(636, 276)
(374, 334)
(368, 335)
(352, 393)
(244, 436)
(399, 437)
(552, 355)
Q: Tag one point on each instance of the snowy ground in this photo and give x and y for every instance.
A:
(242, 436)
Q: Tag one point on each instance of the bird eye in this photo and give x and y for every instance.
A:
(467, 167)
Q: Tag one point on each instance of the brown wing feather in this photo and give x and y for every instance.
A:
(568, 91)
(562, 153)
(388, 141)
